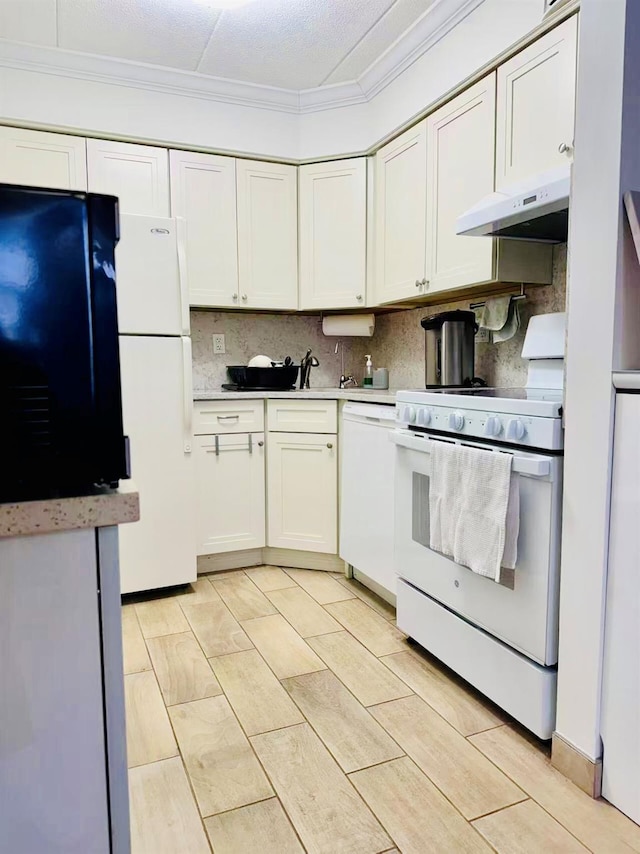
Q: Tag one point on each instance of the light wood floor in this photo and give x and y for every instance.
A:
(275, 711)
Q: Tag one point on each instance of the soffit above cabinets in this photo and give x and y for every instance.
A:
(296, 55)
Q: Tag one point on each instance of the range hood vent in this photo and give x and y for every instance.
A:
(536, 210)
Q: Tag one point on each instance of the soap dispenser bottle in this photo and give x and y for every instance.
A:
(367, 382)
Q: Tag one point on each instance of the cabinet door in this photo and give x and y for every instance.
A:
(460, 165)
(137, 174)
(302, 492)
(401, 206)
(230, 492)
(333, 234)
(267, 235)
(38, 159)
(536, 106)
(203, 198)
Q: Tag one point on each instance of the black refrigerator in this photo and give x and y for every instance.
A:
(61, 428)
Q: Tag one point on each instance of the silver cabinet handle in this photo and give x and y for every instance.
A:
(217, 444)
(418, 283)
(565, 148)
(329, 445)
(244, 297)
(228, 417)
(260, 444)
(425, 282)
(234, 297)
(359, 297)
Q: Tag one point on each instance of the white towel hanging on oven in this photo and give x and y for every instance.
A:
(473, 498)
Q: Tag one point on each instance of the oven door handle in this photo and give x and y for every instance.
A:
(534, 466)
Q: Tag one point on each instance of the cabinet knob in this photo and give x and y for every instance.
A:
(260, 444)
(244, 297)
(234, 297)
(565, 148)
(418, 283)
(359, 297)
(425, 282)
(329, 445)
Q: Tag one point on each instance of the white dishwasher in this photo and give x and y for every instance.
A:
(367, 499)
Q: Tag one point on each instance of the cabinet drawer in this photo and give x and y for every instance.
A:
(302, 416)
(227, 416)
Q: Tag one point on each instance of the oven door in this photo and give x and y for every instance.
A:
(522, 610)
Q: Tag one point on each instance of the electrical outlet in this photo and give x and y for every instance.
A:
(218, 344)
(483, 336)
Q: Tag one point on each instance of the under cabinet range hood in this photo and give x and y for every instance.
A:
(536, 209)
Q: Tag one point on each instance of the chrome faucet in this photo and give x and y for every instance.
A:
(345, 381)
(348, 382)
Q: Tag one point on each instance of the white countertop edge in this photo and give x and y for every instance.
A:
(358, 395)
(102, 510)
(626, 380)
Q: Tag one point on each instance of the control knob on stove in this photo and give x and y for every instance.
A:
(424, 418)
(516, 430)
(410, 414)
(456, 420)
(493, 426)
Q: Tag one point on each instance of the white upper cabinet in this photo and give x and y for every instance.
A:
(137, 174)
(401, 203)
(536, 106)
(333, 234)
(37, 159)
(460, 169)
(203, 199)
(267, 234)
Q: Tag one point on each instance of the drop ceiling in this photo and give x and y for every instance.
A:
(292, 45)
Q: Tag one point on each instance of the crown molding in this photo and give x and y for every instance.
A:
(137, 75)
(439, 19)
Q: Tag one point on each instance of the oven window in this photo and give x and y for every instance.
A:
(420, 509)
(421, 527)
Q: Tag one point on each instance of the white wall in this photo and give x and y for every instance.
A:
(111, 109)
(606, 164)
(121, 109)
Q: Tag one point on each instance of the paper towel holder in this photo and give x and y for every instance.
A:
(348, 325)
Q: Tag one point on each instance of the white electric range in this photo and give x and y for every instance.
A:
(502, 638)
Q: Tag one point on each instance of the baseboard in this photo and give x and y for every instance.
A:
(229, 560)
(580, 769)
(269, 557)
(303, 560)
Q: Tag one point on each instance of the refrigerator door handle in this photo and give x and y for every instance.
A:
(181, 232)
(187, 391)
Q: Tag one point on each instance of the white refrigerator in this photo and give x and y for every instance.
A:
(157, 400)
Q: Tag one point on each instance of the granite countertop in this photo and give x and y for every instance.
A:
(358, 395)
(111, 507)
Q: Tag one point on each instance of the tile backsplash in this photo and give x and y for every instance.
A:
(397, 344)
(249, 334)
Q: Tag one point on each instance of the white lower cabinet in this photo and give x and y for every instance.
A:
(230, 492)
(257, 489)
(302, 491)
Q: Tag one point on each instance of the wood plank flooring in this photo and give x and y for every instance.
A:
(275, 711)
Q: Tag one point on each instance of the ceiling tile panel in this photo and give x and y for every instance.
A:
(402, 15)
(32, 21)
(293, 44)
(173, 33)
